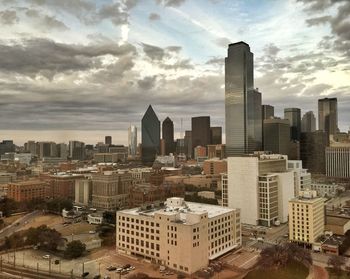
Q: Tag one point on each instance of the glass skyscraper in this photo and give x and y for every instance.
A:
(242, 103)
(294, 117)
(168, 135)
(328, 115)
(150, 136)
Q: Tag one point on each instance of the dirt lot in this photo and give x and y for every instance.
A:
(12, 219)
(49, 220)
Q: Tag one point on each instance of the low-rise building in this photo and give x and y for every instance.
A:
(338, 225)
(95, 218)
(181, 235)
(327, 190)
(27, 190)
(207, 194)
(83, 191)
(215, 166)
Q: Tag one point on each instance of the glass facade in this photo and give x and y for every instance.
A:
(243, 123)
(200, 131)
(150, 136)
(328, 115)
(294, 117)
(168, 135)
(132, 140)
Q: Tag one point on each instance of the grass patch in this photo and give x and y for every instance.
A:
(293, 270)
(342, 275)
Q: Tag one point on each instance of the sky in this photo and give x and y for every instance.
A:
(79, 69)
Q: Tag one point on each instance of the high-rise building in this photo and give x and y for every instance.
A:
(183, 236)
(312, 151)
(150, 136)
(294, 117)
(308, 122)
(306, 218)
(267, 111)
(302, 178)
(328, 115)
(108, 140)
(7, 146)
(276, 135)
(260, 186)
(132, 140)
(242, 102)
(168, 135)
(62, 150)
(200, 131)
(76, 150)
(188, 144)
(47, 149)
(31, 147)
(215, 135)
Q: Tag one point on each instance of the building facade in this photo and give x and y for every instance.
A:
(308, 122)
(215, 135)
(306, 218)
(200, 132)
(168, 136)
(183, 236)
(150, 136)
(294, 117)
(27, 190)
(277, 136)
(328, 115)
(83, 191)
(132, 141)
(338, 162)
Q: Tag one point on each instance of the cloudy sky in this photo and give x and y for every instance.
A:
(84, 65)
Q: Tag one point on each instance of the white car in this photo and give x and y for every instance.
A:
(46, 257)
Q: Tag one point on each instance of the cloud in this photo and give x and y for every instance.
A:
(318, 20)
(170, 3)
(153, 17)
(147, 83)
(153, 52)
(47, 58)
(222, 42)
(8, 17)
(114, 12)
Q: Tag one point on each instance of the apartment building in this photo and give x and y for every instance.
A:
(181, 235)
(27, 190)
(306, 218)
(260, 185)
(110, 190)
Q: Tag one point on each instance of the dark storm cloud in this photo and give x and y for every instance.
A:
(8, 17)
(46, 57)
(154, 17)
(170, 3)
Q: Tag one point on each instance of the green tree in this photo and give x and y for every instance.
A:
(8, 206)
(74, 249)
(49, 238)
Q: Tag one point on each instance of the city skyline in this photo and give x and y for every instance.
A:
(113, 60)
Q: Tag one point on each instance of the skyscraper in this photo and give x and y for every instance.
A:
(76, 150)
(267, 112)
(200, 131)
(294, 117)
(308, 122)
(132, 140)
(243, 124)
(188, 144)
(276, 136)
(108, 140)
(168, 135)
(328, 115)
(215, 135)
(150, 136)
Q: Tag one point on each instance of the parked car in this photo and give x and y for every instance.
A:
(126, 266)
(85, 274)
(97, 277)
(46, 257)
(111, 268)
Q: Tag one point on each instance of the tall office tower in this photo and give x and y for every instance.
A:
(328, 115)
(188, 144)
(242, 102)
(30, 146)
(276, 135)
(312, 151)
(132, 140)
(150, 126)
(76, 150)
(108, 140)
(267, 112)
(308, 122)
(294, 117)
(7, 146)
(260, 186)
(47, 149)
(62, 150)
(306, 207)
(168, 135)
(200, 131)
(215, 135)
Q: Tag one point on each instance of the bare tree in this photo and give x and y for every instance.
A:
(336, 263)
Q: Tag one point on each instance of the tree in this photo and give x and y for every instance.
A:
(7, 206)
(74, 249)
(110, 217)
(49, 238)
(335, 263)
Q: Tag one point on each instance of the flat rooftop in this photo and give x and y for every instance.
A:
(186, 207)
